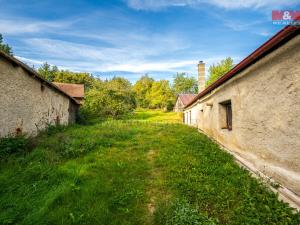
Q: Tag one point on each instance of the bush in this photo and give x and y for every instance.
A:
(107, 103)
(53, 129)
(11, 144)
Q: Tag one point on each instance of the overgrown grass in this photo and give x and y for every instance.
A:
(109, 173)
(13, 144)
(156, 116)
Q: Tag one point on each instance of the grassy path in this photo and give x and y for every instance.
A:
(131, 172)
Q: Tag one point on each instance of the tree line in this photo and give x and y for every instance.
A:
(117, 96)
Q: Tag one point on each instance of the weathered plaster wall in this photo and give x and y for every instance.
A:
(265, 102)
(27, 106)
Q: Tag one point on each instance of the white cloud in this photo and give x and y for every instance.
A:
(85, 59)
(251, 27)
(124, 46)
(133, 57)
(239, 25)
(29, 62)
(227, 4)
(170, 66)
(21, 26)
(238, 4)
(155, 4)
(264, 33)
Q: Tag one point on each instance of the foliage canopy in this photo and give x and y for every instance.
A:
(5, 47)
(53, 74)
(161, 95)
(142, 89)
(183, 84)
(113, 98)
(218, 70)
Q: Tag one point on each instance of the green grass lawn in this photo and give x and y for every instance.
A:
(130, 172)
(156, 116)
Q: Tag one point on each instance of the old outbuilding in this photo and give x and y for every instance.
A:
(29, 103)
(254, 110)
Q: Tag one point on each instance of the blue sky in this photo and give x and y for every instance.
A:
(133, 37)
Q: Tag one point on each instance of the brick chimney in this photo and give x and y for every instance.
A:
(201, 76)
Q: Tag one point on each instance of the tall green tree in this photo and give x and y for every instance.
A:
(66, 76)
(141, 89)
(184, 84)
(161, 95)
(106, 103)
(119, 84)
(5, 47)
(53, 74)
(113, 99)
(121, 87)
(218, 70)
(48, 72)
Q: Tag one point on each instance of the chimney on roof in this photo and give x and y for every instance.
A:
(201, 76)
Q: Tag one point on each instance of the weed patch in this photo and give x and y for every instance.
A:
(10, 145)
(181, 212)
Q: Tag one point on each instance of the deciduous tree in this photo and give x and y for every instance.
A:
(115, 98)
(5, 47)
(161, 95)
(184, 84)
(66, 76)
(218, 70)
(48, 72)
(141, 89)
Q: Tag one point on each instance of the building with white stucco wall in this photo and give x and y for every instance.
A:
(254, 110)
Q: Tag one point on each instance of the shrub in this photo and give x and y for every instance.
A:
(13, 144)
(107, 103)
(53, 129)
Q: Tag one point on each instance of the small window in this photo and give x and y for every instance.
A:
(226, 115)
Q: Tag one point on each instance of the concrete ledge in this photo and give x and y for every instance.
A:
(284, 193)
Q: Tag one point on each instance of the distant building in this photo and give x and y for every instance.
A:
(29, 103)
(182, 100)
(74, 90)
(254, 110)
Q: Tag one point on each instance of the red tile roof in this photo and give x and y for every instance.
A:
(74, 90)
(186, 98)
(274, 42)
